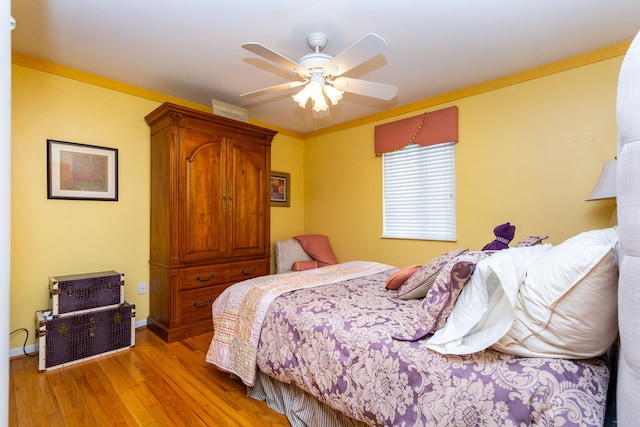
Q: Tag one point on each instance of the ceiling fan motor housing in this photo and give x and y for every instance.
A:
(313, 63)
(317, 41)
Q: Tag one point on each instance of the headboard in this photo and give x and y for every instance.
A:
(628, 199)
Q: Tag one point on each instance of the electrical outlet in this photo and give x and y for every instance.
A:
(142, 288)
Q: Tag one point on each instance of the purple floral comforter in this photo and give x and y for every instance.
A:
(335, 342)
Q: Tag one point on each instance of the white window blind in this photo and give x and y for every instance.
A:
(419, 192)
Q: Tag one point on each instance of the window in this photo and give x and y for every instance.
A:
(419, 192)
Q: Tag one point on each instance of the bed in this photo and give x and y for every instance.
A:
(535, 334)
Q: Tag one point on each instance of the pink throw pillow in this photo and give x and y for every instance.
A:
(318, 248)
(399, 277)
(304, 265)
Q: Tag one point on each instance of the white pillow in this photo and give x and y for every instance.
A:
(287, 252)
(484, 311)
(567, 306)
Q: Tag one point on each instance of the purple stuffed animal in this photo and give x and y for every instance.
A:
(504, 234)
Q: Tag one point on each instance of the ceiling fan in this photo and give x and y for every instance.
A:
(321, 73)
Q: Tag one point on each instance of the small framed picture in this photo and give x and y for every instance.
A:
(280, 189)
(82, 172)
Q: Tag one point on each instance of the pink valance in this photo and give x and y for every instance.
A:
(431, 128)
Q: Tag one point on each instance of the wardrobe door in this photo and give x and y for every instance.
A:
(202, 198)
(248, 175)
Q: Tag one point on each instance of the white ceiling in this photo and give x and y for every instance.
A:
(190, 49)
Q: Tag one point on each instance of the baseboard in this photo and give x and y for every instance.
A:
(31, 349)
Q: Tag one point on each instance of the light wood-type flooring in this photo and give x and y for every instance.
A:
(151, 384)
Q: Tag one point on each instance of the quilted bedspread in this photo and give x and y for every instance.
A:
(335, 342)
(239, 311)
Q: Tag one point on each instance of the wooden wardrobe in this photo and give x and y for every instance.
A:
(210, 203)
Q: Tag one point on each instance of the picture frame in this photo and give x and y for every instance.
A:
(81, 172)
(280, 189)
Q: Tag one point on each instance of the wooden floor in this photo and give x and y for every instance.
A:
(152, 384)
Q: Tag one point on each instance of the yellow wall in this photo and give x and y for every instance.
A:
(60, 237)
(287, 156)
(528, 153)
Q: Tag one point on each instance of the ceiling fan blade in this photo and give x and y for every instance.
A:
(273, 56)
(359, 52)
(270, 89)
(366, 88)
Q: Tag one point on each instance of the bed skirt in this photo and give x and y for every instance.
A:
(300, 408)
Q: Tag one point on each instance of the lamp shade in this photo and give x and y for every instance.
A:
(606, 186)
(314, 91)
(333, 94)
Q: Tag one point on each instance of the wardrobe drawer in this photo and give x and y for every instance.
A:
(195, 304)
(197, 277)
(240, 271)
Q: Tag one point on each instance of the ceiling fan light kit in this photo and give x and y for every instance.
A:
(314, 91)
(333, 94)
(321, 72)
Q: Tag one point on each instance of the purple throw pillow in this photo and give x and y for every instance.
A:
(421, 281)
(530, 241)
(439, 301)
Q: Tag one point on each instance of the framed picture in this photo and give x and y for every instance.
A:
(82, 172)
(280, 189)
